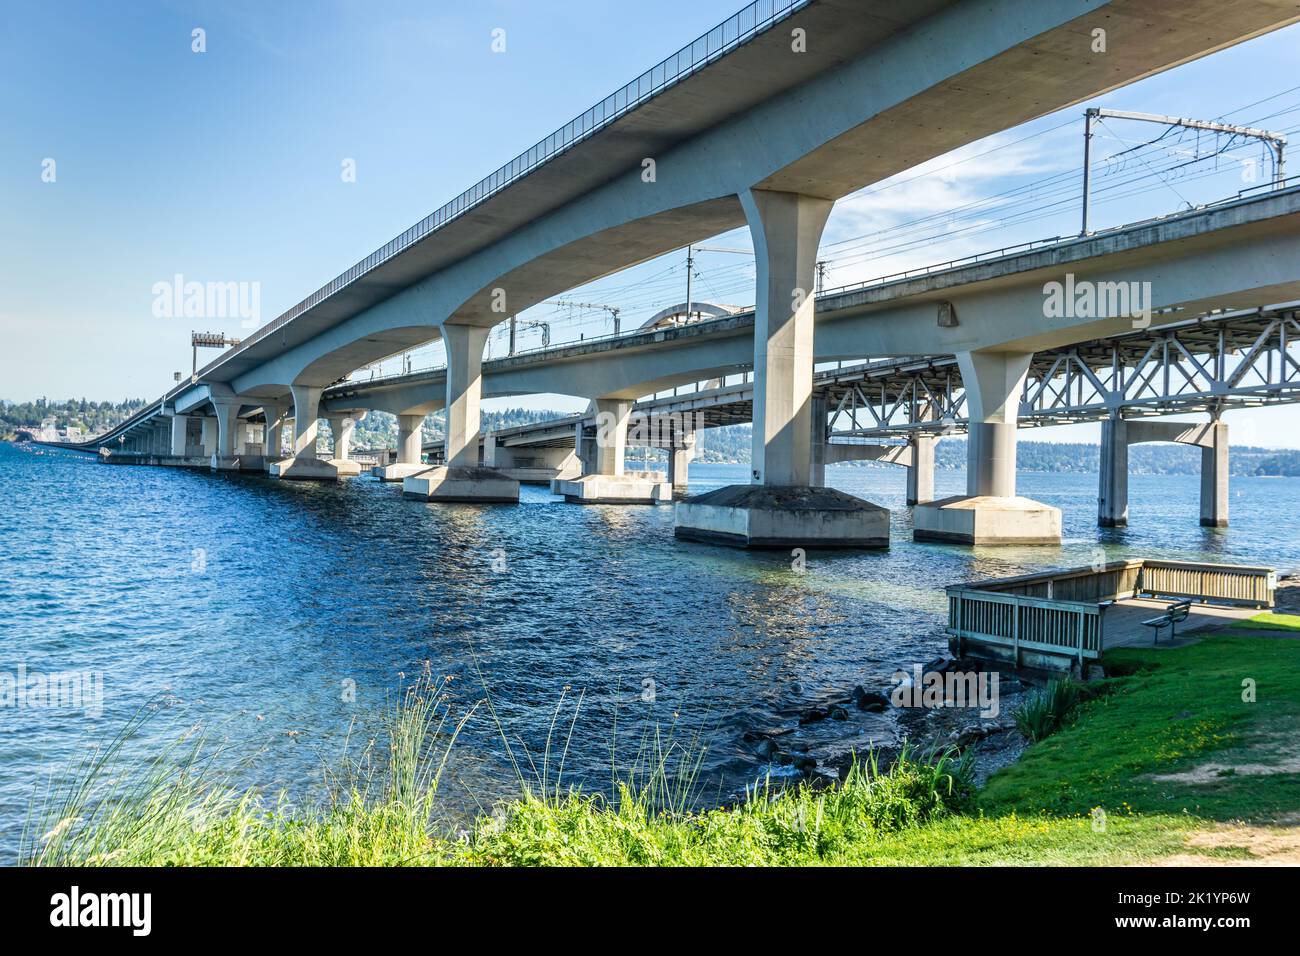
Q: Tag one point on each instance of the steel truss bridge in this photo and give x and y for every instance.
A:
(1240, 359)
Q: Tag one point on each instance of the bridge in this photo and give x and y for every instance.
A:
(765, 121)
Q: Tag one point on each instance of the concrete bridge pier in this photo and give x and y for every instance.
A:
(304, 465)
(920, 473)
(226, 455)
(410, 442)
(530, 465)
(1214, 476)
(680, 456)
(208, 436)
(991, 512)
(342, 428)
(609, 482)
(783, 508)
(1117, 434)
(233, 452)
(180, 425)
(462, 478)
(273, 433)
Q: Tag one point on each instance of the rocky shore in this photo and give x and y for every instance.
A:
(818, 739)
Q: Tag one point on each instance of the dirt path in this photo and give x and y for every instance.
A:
(1240, 845)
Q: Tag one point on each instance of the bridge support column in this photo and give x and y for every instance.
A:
(920, 473)
(1214, 476)
(410, 446)
(342, 428)
(273, 434)
(1112, 476)
(1117, 435)
(209, 436)
(990, 512)
(817, 471)
(304, 465)
(462, 478)
(179, 435)
(226, 456)
(610, 482)
(782, 508)
(680, 456)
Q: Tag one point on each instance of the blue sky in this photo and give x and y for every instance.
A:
(226, 165)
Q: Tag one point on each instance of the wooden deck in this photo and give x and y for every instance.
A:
(1068, 617)
(1124, 619)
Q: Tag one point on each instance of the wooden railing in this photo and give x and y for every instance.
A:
(1222, 583)
(1072, 628)
(1062, 612)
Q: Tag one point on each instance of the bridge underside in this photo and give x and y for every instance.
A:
(766, 133)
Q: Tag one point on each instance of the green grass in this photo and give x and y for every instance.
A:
(1271, 622)
(1104, 788)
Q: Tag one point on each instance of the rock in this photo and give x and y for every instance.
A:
(869, 700)
(814, 716)
(806, 765)
(939, 664)
(839, 713)
(968, 735)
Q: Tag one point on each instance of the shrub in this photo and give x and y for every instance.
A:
(1049, 709)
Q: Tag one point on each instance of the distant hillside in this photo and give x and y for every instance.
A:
(732, 444)
(725, 445)
(90, 417)
(379, 429)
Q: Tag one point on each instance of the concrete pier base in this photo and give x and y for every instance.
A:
(346, 467)
(759, 516)
(236, 463)
(631, 488)
(304, 469)
(399, 471)
(985, 519)
(461, 484)
(536, 476)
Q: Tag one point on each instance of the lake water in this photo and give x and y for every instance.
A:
(252, 608)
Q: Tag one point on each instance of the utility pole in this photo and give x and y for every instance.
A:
(613, 310)
(690, 269)
(1275, 141)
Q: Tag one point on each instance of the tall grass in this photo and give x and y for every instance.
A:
(1048, 709)
(179, 809)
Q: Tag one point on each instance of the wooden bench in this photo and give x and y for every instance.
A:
(1174, 613)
